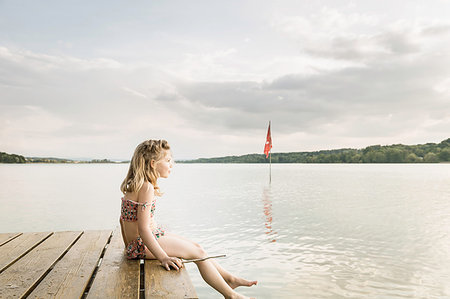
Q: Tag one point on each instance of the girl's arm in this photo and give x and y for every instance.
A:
(146, 195)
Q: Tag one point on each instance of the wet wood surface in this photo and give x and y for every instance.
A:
(167, 284)
(76, 264)
(117, 277)
(20, 277)
(70, 276)
(18, 247)
(5, 238)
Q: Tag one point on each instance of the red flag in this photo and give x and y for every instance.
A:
(268, 145)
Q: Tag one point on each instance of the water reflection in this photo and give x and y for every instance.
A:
(267, 204)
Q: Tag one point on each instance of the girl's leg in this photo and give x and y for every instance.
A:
(233, 281)
(175, 246)
(229, 278)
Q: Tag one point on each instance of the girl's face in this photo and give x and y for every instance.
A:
(164, 165)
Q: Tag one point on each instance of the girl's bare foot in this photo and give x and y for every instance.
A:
(239, 296)
(235, 282)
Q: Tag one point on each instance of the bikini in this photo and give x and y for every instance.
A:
(136, 248)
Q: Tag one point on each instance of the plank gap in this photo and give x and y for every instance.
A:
(25, 253)
(36, 283)
(94, 273)
(142, 279)
(10, 239)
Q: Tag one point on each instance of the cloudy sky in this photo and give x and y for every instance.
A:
(92, 79)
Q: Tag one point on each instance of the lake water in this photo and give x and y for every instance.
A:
(317, 231)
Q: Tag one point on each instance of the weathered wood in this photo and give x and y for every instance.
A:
(70, 276)
(5, 238)
(18, 279)
(15, 249)
(63, 264)
(160, 283)
(117, 277)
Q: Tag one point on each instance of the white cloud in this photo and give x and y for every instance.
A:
(43, 62)
(134, 92)
(328, 77)
(361, 37)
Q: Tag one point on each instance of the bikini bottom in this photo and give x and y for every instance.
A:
(136, 248)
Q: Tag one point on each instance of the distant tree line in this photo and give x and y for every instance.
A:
(101, 161)
(397, 153)
(11, 158)
(47, 160)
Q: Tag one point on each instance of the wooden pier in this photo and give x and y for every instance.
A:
(76, 264)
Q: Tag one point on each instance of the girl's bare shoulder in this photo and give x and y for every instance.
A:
(147, 186)
(146, 193)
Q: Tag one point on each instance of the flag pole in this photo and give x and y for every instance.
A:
(270, 167)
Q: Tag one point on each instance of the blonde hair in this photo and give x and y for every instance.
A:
(141, 169)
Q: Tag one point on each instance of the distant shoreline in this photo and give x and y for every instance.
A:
(396, 153)
(6, 158)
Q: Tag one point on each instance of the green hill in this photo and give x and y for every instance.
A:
(11, 158)
(397, 153)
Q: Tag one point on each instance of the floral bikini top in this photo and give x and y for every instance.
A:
(129, 209)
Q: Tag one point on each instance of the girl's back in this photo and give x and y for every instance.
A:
(128, 215)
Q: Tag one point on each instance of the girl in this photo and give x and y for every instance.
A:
(144, 239)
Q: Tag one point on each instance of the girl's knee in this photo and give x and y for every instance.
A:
(199, 251)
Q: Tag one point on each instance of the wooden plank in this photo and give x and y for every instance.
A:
(21, 277)
(6, 237)
(70, 276)
(117, 277)
(15, 249)
(160, 283)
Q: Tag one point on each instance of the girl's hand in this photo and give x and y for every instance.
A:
(173, 262)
